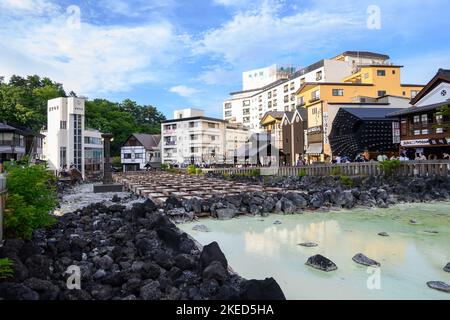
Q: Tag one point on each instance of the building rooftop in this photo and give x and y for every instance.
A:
(371, 113)
(365, 54)
(412, 110)
(443, 75)
(149, 141)
(195, 118)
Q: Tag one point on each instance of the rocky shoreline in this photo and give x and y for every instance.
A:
(311, 194)
(124, 254)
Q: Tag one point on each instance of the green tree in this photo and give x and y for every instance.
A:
(31, 197)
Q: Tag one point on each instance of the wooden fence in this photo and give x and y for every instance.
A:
(2, 202)
(406, 169)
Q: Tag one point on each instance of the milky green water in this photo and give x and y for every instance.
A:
(409, 257)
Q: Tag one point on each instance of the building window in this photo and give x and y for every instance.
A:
(424, 119)
(440, 130)
(286, 99)
(286, 88)
(246, 103)
(227, 105)
(127, 155)
(292, 85)
(318, 75)
(212, 125)
(301, 101)
(315, 95)
(62, 156)
(416, 120)
(302, 81)
(63, 125)
(381, 93)
(274, 93)
(269, 104)
(269, 95)
(417, 132)
(138, 156)
(393, 71)
(77, 143)
(366, 75)
(228, 113)
(414, 93)
(275, 103)
(439, 118)
(425, 131)
(381, 73)
(338, 92)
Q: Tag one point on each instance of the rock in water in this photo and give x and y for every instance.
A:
(277, 222)
(412, 221)
(211, 253)
(447, 267)
(383, 234)
(308, 244)
(201, 228)
(267, 289)
(320, 262)
(362, 259)
(439, 285)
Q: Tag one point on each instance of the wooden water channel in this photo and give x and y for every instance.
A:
(158, 186)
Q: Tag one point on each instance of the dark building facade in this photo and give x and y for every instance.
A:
(17, 141)
(357, 130)
(294, 125)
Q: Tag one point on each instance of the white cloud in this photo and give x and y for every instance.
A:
(136, 8)
(255, 38)
(94, 59)
(35, 7)
(184, 91)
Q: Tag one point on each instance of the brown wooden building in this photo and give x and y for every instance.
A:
(423, 128)
(294, 125)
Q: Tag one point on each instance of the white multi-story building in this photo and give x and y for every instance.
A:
(193, 138)
(249, 105)
(67, 142)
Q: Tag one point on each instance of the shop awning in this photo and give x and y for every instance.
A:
(315, 148)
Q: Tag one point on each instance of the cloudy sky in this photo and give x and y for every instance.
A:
(191, 53)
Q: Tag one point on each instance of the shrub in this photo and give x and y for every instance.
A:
(198, 171)
(191, 169)
(254, 173)
(164, 166)
(390, 166)
(6, 269)
(225, 175)
(302, 173)
(336, 171)
(31, 197)
(347, 181)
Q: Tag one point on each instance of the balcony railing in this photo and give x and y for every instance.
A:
(314, 99)
(170, 143)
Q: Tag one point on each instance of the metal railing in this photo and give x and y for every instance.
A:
(406, 169)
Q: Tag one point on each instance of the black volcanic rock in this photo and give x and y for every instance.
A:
(362, 259)
(267, 289)
(322, 263)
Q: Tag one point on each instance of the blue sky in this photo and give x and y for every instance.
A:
(177, 54)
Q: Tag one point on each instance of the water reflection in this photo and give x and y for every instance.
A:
(409, 257)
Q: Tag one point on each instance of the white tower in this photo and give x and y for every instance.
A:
(65, 133)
